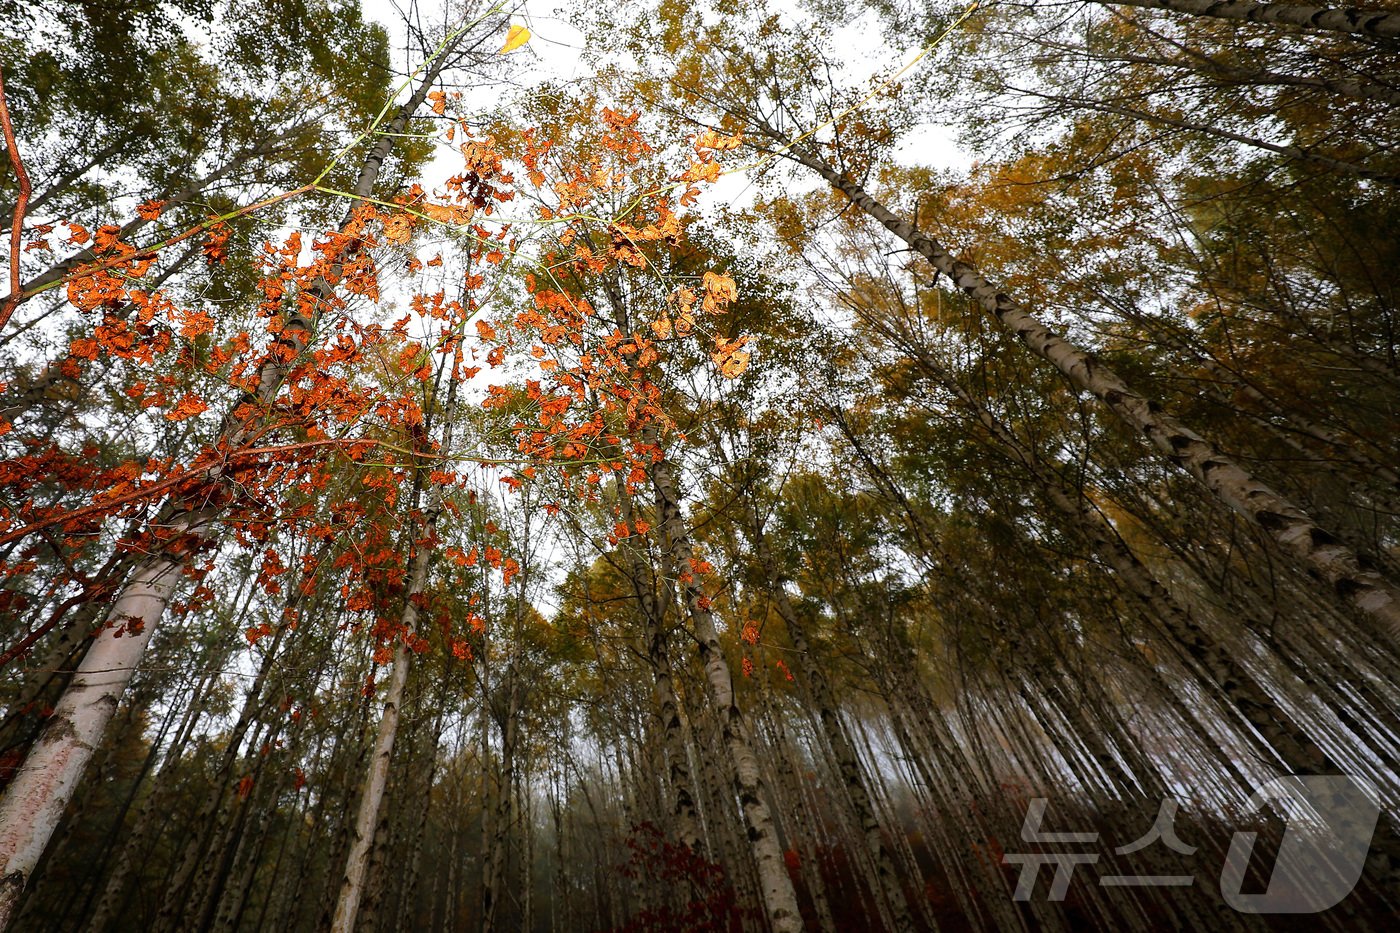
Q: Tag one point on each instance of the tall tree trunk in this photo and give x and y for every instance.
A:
(779, 898)
(367, 817)
(504, 818)
(686, 819)
(1378, 24)
(211, 817)
(113, 892)
(848, 764)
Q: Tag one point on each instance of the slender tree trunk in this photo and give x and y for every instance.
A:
(1195, 61)
(367, 817)
(848, 764)
(504, 819)
(418, 841)
(779, 898)
(790, 801)
(211, 817)
(686, 820)
(113, 893)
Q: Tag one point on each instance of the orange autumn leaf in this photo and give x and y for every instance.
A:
(215, 245)
(398, 229)
(707, 171)
(730, 357)
(719, 290)
(245, 787)
(150, 210)
(187, 407)
(713, 140)
(445, 213)
(439, 100)
(195, 324)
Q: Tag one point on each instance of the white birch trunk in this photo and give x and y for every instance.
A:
(352, 885)
(35, 800)
(779, 897)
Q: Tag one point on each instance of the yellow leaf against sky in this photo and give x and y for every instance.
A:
(515, 38)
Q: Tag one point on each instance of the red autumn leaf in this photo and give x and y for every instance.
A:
(195, 324)
(245, 787)
(187, 407)
(215, 245)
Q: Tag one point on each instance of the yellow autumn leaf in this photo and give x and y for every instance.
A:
(730, 357)
(397, 229)
(515, 38)
(445, 213)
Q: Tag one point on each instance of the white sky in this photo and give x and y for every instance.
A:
(556, 47)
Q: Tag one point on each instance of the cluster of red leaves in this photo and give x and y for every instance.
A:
(595, 405)
(271, 460)
(704, 901)
(272, 465)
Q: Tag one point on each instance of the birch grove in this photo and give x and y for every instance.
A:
(689, 467)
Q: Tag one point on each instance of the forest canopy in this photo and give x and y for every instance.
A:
(699, 466)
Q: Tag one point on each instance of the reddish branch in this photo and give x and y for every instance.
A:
(58, 615)
(25, 190)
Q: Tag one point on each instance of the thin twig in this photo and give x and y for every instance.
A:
(25, 190)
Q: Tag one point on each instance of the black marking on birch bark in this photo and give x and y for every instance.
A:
(1347, 587)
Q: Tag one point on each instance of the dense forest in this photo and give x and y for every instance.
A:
(699, 466)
